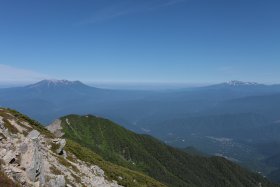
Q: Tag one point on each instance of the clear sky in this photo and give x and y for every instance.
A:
(192, 41)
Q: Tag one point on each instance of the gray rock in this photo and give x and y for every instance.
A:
(56, 128)
(97, 170)
(59, 181)
(9, 157)
(33, 135)
(34, 168)
(2, 125)
(62, 144)
(23, 148)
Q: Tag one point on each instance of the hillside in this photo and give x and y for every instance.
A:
(32, 156)
(148, 155)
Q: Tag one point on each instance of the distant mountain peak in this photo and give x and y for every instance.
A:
(55, 83)
(240, 83)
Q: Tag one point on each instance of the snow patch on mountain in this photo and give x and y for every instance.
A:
(241, 83)
(54, 83)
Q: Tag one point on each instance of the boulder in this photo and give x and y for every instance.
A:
(33, 135)
(62, 144)
(33, 170)
(32, 157)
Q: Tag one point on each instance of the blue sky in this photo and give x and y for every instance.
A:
(183, 41)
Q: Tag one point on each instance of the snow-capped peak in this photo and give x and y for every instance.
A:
(60, 82)
(240, 83)
(54, 83)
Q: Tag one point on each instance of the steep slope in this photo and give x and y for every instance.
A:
(32, 156)
(148, 155)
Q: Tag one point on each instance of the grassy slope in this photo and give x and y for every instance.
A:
(129, 177)
(148, 155)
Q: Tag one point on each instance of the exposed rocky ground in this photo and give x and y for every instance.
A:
(32, 156)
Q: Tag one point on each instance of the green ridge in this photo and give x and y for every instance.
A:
(146, 154)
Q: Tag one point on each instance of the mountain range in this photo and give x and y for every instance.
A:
(61, 97)
(236, 120)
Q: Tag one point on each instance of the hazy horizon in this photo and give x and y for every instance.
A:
(118, 85)
(129, 85)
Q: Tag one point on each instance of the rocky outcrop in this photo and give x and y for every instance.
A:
(31, 158)
(56, 128)
(62, 144)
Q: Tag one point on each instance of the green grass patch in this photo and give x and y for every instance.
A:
(129, 178)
